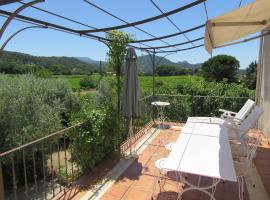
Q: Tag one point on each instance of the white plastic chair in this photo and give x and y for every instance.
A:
(227, 116)
(241, 114)
(240, 132)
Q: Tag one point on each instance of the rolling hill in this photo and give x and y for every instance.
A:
(19, 63)
(145, 64)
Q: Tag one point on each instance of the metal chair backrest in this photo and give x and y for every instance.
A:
(252, 149)
(250, 121)
(245, 110)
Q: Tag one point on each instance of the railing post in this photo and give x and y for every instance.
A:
(154, 71)
(2, 189)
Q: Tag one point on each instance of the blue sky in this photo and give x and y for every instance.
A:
(52, 43)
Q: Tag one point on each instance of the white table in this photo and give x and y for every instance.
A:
(160, 105)
(202, 149)
(212, 120)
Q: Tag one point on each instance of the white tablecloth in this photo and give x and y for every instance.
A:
(203, 149)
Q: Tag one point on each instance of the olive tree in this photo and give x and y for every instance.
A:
(31, 108)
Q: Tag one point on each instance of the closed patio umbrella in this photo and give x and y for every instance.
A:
(131, 91)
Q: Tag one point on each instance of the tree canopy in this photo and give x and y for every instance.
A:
(220, 68)
(19, 63)
(251, 75)
(32, 107)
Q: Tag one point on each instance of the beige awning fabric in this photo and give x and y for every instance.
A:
(236, 24)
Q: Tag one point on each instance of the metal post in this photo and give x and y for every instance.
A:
(154, 70)
(2, 190)
(100, 67)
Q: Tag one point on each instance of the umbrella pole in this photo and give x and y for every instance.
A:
(130, 132)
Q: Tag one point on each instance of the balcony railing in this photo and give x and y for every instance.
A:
(44, 168)
(40, 169)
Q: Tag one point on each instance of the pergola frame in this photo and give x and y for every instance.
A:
(35, 23)
(152, 51)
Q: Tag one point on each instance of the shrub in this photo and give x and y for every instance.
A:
(94, 139)
(98, 136)
(87, 83)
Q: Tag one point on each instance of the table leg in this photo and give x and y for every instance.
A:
(203, 189)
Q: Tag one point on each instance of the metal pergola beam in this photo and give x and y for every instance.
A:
(16, 33)
(50, 25)
(173, 45)
(4, 2)
(101, 39)
(13, 15)
(145, 20)
(170, 35)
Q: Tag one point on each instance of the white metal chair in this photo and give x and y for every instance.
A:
(243, 164)
(169, 146)
(163, 175)
(160, 176)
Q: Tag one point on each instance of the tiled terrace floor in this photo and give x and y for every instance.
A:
(137, 182)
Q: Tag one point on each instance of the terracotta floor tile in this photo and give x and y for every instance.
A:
(136, 194)
(118, 191)
(137, 181)
(108, 197)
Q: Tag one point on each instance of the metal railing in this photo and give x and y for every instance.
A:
(40, 169)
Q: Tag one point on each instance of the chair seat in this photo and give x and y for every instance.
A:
(239, 150)
(240, 169)
(160, 163)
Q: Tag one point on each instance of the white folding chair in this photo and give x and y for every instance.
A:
(241, 114)
(240, 132)
(227, 116)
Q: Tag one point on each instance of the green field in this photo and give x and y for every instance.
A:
(164, 83)
(146, 82)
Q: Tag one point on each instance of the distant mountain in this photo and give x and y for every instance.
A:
(94, 62)
(19, 63)
(145, 64)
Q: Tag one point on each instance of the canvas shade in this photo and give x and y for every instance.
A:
(236, 24)
(131, 91)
